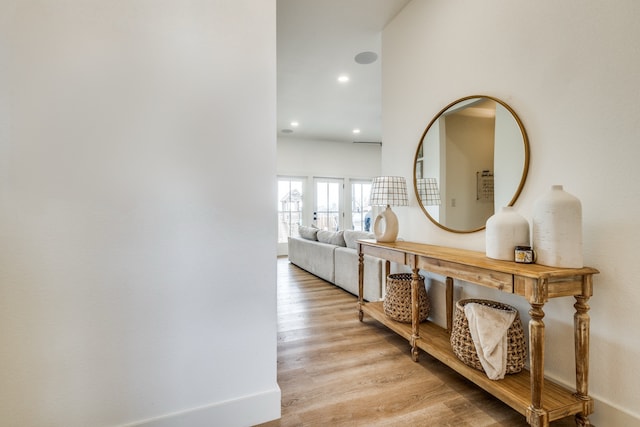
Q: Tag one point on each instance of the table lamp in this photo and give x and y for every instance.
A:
(388, 191)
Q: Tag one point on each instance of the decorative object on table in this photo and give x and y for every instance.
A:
(397, 300)
(388, 191)
(557, 229)
(428, 191)
(505, 230)
(525, 255)
(495, 354)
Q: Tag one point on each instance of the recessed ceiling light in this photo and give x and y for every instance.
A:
(343, 78)
(294, 124)
(356, 131)
(366, 57)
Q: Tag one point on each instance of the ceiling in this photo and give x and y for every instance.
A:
(318, 42)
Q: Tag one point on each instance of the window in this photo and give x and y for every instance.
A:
(360, 207)
(290, 192)
(329, 208)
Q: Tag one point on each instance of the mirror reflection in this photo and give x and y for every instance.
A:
(472, 159)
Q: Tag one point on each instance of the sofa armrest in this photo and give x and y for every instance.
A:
(313, 256)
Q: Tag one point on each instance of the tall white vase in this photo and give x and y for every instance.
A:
(557, 229)
(504, 231)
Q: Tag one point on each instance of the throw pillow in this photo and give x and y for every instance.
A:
(309, 233)
(332, 237)
(352, 236)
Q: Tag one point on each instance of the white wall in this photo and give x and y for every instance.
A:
(570, 71)
(327, 158)
(125, 297)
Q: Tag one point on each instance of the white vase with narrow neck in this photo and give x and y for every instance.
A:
(505, 230)
(557, 229)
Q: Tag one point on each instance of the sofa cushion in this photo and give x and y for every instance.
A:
(352, 236)
(331, 237)
(309, 233)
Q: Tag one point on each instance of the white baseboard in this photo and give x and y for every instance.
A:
(606, 415)
(243, 412)
(263, 407)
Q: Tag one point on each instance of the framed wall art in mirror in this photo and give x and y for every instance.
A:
(472, 159)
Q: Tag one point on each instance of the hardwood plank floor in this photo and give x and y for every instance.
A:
(334, 370)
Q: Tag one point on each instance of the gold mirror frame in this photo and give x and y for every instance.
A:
(419, 150)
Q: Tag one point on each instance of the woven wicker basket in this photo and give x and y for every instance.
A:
(465, 350)
(397, 300)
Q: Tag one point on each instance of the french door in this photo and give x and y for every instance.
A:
(328, 213)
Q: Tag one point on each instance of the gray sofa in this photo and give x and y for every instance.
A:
(333, 256)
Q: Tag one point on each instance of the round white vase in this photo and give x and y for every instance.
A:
(557, 229)
(505, 230)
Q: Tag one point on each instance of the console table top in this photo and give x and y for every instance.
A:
(479, 260)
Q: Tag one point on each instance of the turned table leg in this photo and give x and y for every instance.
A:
(581, 329)
(537, 417)
(360, 283)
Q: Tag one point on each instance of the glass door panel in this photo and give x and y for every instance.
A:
(329, 209)
(360, 205)
(290, 204)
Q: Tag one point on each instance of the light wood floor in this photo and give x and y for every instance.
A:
(336, 371)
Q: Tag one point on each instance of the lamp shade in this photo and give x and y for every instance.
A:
(428, 191)
(389, 191)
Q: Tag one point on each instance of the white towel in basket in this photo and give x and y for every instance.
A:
(488, 327)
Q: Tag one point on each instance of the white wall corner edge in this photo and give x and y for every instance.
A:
(243, 412)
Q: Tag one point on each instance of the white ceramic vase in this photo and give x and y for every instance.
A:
(505, 230)
(557, 229)
(389, 233)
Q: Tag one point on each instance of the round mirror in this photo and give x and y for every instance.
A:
(472, 159)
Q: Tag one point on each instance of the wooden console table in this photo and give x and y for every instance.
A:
(538, 399)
